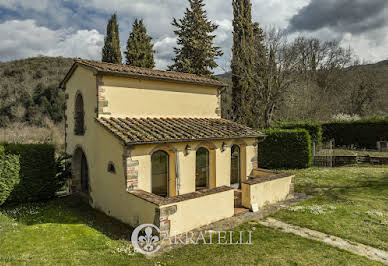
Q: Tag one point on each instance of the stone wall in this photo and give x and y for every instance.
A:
(335, 161)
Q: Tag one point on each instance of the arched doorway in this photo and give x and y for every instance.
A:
(80, 171)
(235, 167)
(160, 173)
(84, 175)
(202, 169)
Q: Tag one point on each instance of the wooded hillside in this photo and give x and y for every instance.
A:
(29, 90)
(29, 93)
(302, 102)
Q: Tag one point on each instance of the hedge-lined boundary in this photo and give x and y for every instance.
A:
(314, 129)
(37, 172)
(9, 174)
(361, 133)
(285, 149)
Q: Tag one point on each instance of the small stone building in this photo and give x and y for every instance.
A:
(150, 146)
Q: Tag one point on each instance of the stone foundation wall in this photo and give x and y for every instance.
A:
(336, 161)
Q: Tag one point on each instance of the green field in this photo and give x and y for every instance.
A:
(66, 231)
(351, 203)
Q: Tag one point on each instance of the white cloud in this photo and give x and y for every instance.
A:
(82, 43)
(38, 5)
(25, 39)
(368, 49)
(164, 51)
(275, 12)
(59, 27)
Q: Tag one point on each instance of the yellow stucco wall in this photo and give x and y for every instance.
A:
(201, 211)
(146, 98)
(108, 191)
(266, 193)
(82, 81)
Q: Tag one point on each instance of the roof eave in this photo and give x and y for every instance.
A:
(97, 71)
(193, 140)
(133, 75)
(62, 85)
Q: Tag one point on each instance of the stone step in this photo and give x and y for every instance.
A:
(237, 198)
(238, 211)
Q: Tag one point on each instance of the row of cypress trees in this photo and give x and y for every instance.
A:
(251, 64)
(196, 53)
(139, 47)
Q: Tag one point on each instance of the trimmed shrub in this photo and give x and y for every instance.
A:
(285, 149)
(314, 129)
(362, 133)
(9, 174)
(37, 172)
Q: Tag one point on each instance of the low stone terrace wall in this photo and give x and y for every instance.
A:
(344, 160)
(265, 187)
(186, 212)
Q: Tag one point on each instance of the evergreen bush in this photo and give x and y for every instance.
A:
(362, 133)
(37, 172)
(285, 149)
(9, 174)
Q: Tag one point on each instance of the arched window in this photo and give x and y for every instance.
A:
(79, 127)
(235, 172)
(202, 169)
(160, 173)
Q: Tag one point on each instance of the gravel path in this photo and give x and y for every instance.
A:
(353, 247)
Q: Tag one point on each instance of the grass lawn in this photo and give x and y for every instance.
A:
(68, 232)
(351, 203)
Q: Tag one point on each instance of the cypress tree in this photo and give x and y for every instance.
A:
(111, 51)
(243, 64)
(139, 48)
(262, 71)
(196, 54)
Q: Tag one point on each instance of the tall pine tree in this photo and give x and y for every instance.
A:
(139, 48)
(196, 54)
(111, 51)
(243, 64)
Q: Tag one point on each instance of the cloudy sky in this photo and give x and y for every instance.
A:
(76, 28)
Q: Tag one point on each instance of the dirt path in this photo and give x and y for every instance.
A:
(353, 247)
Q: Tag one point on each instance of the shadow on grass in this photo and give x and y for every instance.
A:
(68, 210)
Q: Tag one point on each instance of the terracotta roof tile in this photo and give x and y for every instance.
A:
(108, 68)
(164, 130)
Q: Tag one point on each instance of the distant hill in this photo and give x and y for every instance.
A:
(379, 107)
(227, 76)
(29, 89)
(381, 67)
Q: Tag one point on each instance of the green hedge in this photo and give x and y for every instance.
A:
(314, 129)
(285, 149)
(9, 174)
(37, 172)
(361, 133)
